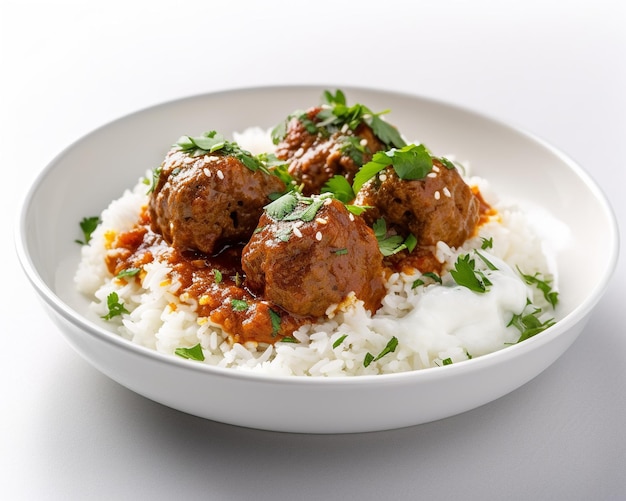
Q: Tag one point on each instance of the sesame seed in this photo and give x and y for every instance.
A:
(189, 160)
(351, 216)
(299, 152)
(436, 168)
(363, 142)
(207, 172)
(328, 201)
(297, 232)
(437, 195)
(446, 192)
(321, 220)
(344, 128)
(297, 224)
(318, 236)
(220, 174)
(382, 177)
(431, 174)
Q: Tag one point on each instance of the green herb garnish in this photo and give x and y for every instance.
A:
(334, 115)
(88, 226)
(275, 319)
(393, 244)
(340, 188)
(550, 295)
(238, 304)
(193, 353)
(487, 243)
(282, 206)
(465, 274)
(116, 308)
(217, 276)
(289, 339)
(128, 272)
(410, 162)
(152, 183)
(529, 324)
(433, 276)
(211, 142)
(389, 348)
(293, 206)
(339, 340)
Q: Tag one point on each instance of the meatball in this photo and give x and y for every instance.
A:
(304, 264)
(314, 156)
(204, 202)
(438, 207)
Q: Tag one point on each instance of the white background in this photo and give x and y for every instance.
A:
(554, 68)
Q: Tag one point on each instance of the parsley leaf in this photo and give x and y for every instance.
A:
(217, 275)
(487, 243)
(529, 324)
(152, 183)
(389, 348)
(238, 304)
(193, 353)
(410, 162)
(340, 188)
(116, 308)
(275, 320)
(339, 340)
(128, 272)
(282, 206)
(466, 275)
(88, 226)
(543, 285)
(392, 244)
(211, 141)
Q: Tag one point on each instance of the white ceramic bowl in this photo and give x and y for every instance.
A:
(85, 177)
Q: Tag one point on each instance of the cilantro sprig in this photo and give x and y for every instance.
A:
(389, 348)
(544, 285)
(192, 353)
(529, 323)
(212, 141)
(410, 162)
(467, 275)
(88, 226)
(390, 245)
(336, 114)
(115, 306)
(293, 206)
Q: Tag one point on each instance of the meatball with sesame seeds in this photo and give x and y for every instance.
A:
(204, 200)
(438, 207)
(315, 154)
(309, 253)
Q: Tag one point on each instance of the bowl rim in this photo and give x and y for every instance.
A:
(52, 299)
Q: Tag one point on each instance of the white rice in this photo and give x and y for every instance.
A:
(418, 317)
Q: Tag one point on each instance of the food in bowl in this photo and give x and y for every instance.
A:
(337, 248)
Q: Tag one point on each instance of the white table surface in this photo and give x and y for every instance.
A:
(556, 69)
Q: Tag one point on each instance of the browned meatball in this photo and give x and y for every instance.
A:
(438, 207)
(317, 154)
(204, 202)
(305, 266)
